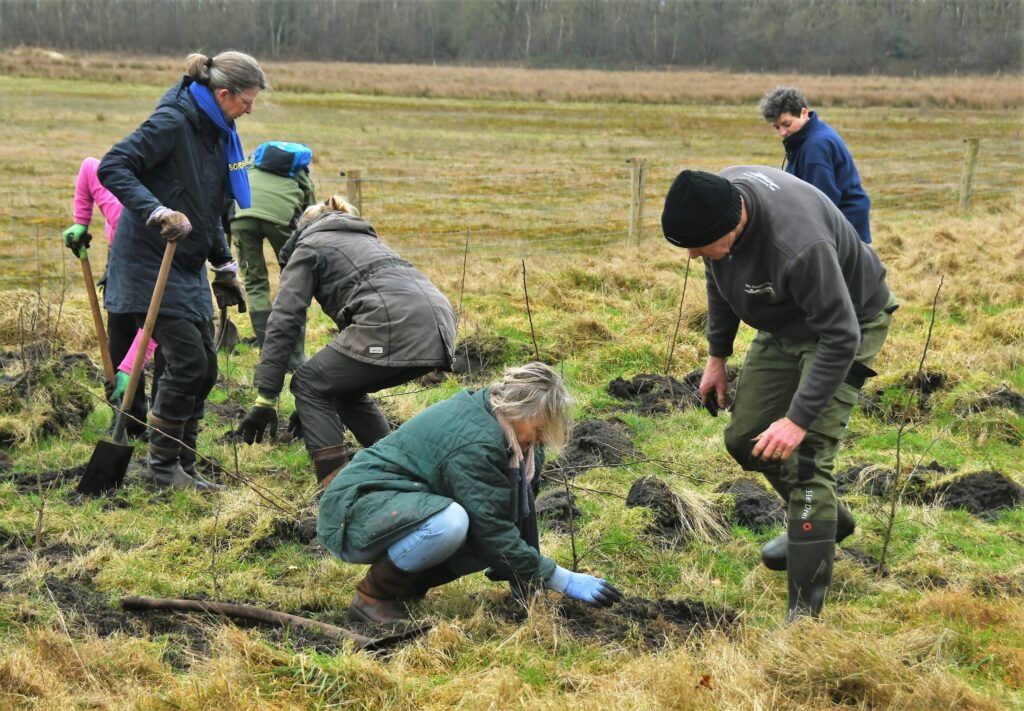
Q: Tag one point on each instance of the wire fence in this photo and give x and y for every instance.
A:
(521, 214)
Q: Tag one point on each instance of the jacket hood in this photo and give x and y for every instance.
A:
(179, 99)
(331, 222)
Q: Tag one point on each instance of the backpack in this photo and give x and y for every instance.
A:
(282, 158)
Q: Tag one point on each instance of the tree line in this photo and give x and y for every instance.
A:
(813, 36)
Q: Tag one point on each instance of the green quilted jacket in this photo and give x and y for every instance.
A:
(452, 451)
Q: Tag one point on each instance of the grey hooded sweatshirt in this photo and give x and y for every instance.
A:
(388, 312)
(798, 270)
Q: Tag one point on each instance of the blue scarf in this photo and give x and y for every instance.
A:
(237, 175)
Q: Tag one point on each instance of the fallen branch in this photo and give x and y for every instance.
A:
(259, 614)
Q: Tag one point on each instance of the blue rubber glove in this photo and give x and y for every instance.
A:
(580, 586)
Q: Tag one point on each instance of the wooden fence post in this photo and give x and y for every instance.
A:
(354, 188)
(637, 184)
(967, 177)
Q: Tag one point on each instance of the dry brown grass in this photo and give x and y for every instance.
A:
(701, 87)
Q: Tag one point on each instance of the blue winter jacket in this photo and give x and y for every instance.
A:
(817, 155)
(175, 159)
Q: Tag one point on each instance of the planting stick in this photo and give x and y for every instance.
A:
(529, 315)
(259, 614)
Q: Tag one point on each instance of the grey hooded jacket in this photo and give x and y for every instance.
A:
(388, 312)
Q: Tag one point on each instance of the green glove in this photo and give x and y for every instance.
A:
(77, 239)
(122, 385)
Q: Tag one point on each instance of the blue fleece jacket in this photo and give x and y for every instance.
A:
(817, 155)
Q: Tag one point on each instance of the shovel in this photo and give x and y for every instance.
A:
(97, 318)
(226, 336)
(109, 461)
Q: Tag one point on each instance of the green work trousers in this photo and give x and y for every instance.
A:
(248, 234)
(774, 369)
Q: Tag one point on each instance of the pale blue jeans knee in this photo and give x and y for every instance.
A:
(433, 542)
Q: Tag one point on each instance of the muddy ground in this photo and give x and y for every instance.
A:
(557, 510)
(651, 393)
(754, 506)
(595, 443)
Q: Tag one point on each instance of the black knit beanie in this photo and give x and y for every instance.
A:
(699, 209)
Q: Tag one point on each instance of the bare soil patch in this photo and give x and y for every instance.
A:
(983, 493)
(652, 393)
(479, 356)
(595, 443)
(557, 510)
(650, 624)
(754, 506)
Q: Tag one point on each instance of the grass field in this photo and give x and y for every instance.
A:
(532, 166)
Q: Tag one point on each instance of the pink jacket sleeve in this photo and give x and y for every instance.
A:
(89, 190)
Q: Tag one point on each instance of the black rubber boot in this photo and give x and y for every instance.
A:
(163, 467)
(773, 553)
(379, 595)
(811, 554)
(328, 462)
(190, 438)
(259, 326)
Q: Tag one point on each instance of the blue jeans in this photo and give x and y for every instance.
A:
(430, 544)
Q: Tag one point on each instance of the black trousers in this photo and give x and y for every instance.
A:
(189, 369)
(121, 330)
(331, 394)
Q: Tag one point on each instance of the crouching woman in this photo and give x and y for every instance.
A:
(450, 492)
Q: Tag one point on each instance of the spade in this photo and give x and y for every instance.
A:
(109, 461)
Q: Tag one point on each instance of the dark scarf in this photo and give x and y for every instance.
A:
(237, 175)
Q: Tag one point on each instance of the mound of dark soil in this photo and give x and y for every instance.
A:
(64, 399)
(858, 556)
(1003, 397)
(227, 411)
(654, 494)
(651, 393)
(651, 623)
(595, 443)
(884, 405)
(556, 509)
(877, 480)
(754, 506)
(983, 493)
(479, 356)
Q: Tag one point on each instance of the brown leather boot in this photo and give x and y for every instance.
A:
(328, 462)
(378, 595)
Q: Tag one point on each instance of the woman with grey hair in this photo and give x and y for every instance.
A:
(176, 175)
(451, 492)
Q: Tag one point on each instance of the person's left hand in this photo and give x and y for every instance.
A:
(77, 239)
(228, 289)
(778, 442)
(261, 419)
(122, 379)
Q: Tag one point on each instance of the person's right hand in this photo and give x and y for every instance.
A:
(712, 385)
(77, 238)
(262, 416)
(121, 379)
(295, 425)
(173, 225)
(596, 591)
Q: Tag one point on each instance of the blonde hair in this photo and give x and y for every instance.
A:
(231, 70)
(335, 203)
(532, 390)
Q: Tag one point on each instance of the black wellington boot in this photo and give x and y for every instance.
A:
(328, 462)
(811, 554)
(773, 553)
(190, 437)
(164, 462)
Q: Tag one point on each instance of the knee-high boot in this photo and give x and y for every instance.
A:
(379, 595)
(328, 462)
(811, 553)
(164, 461)
(773, 553)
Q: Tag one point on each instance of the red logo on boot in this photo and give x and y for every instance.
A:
(807, 526)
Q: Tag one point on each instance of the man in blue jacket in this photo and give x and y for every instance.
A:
(816, 154)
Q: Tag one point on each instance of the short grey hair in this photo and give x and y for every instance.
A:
(532, 390)
(782, 100)
(231, 70)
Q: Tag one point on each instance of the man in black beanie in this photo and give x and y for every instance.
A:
(779, 256)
